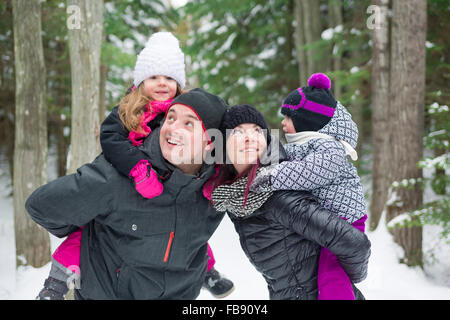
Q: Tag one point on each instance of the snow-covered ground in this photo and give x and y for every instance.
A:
(387, 278)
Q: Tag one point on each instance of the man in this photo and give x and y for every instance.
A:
(137, 248)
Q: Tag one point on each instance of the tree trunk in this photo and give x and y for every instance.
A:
(62, 147)
(30, 150)
(357, 111)
(85, 45)
(103, 78)
(312, 29)
(7, 91)
(102, 103)
(380, 109)
(335, 17)
(300, 42)
(407, 94)
(61, 139)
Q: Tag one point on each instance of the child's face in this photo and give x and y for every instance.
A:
(288, 125)
(160, 88)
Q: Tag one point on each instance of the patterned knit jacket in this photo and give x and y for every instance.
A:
(321, 166)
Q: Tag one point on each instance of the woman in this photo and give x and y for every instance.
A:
(280, 232)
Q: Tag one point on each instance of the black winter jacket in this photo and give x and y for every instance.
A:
(283, 239)
(132, 247)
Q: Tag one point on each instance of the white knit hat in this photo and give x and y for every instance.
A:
(161, 56)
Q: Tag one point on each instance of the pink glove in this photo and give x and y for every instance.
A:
(146, 180)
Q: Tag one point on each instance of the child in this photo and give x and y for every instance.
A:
(159, 76)
(320, 133)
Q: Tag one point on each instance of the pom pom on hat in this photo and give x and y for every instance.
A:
(319, 81)
(161, 56)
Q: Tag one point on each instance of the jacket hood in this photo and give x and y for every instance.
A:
(341, 126)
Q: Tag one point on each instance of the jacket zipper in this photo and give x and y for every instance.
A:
(166, 256)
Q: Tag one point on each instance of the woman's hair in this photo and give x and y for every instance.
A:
(133, 105)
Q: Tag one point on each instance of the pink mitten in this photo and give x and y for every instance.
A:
(146, 180)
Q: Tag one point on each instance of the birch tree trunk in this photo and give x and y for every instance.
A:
(380, 109)
(407, 94)
(85, 40)
(30, 149)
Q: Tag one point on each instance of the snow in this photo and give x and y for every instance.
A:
(177, 3)
(328, 34)
(354, 69)
(387, 279)
(227, 44)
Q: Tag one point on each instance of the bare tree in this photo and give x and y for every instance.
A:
(407, 103)
(30, 149)
(85, 37)
(380, 109)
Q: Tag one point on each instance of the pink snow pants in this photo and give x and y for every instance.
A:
(333, 283)
(68, 253)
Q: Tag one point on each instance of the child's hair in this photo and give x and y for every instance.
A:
(133, 105)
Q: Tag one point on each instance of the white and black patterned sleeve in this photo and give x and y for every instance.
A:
(315, 170)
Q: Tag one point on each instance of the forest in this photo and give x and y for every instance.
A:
(65, 64)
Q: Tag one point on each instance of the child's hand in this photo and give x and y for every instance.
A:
(146, 180)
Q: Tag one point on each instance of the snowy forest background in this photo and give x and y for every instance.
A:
(65, 64)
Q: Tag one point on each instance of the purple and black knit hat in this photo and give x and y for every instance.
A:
(310, 107)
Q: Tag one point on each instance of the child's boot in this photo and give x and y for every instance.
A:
(53, 290)
(217, 285)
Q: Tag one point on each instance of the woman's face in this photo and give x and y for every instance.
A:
(245, 144)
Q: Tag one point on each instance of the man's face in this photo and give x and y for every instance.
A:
(182, 139)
